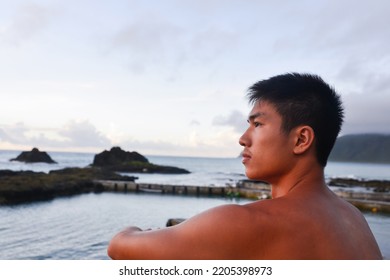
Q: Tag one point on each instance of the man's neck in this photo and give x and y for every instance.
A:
(310, 179)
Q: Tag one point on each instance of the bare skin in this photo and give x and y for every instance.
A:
(303, 220)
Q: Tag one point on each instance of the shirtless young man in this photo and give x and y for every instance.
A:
(293, 125)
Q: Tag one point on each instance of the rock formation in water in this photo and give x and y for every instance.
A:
(174, 221)
(34, 156)
(122, 161)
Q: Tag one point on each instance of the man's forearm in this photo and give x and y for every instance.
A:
(115, 248)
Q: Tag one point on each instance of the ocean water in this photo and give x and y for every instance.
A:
(80, 227)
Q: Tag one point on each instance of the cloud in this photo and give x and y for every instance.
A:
(221, 143)
(194, 123)
(235, 119)
(321, 28)
(83, 134)
(211, 43)
(75, 134)
(29, 21)
(13, 133)
(367, 107)
(145, 42)
(151, 41)
(355, 30)
(145, 37)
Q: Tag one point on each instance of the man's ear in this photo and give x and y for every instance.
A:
(304, 139)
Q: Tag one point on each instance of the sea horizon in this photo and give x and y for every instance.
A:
(230, 166)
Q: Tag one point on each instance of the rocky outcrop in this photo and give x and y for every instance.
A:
(34, 156)
(174, 221)
(28, 186)
(374, 185)
(122, 161)
(117, 156)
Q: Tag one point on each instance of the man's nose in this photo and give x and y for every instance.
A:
(244, 139)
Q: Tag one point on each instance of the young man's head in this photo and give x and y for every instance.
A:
(303, 99)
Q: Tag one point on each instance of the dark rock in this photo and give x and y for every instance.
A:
(7, 172)
(34, 156)
(92, 173)
(174, 222)
(117, 156)
(376, 185)
(121, 161)
(28, 186)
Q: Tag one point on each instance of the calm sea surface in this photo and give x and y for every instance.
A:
(80, 227)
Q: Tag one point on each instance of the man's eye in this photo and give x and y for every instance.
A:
(256, 124)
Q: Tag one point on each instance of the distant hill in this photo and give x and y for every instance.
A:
(373, 148)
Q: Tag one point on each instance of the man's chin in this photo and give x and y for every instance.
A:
(251, 176)
(255, 177)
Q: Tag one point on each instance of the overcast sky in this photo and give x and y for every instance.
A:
(170, 77)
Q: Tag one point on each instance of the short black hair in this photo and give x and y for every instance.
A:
(304, 99)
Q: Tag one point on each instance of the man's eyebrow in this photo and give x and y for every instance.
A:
(255, 115)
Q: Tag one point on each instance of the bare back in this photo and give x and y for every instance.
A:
(312, 226)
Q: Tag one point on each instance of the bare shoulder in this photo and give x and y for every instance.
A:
(219, 233)
(227, 232)
(224, 213)
(235, 217)
(216, 222)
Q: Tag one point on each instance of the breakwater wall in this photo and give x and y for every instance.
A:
(121, 186)
(365, 201)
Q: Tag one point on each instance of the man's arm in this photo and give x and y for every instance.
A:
(209, 235)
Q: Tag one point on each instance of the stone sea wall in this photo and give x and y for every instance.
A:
(368, 200)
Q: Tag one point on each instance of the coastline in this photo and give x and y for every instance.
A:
(28, 186)
(224, 173)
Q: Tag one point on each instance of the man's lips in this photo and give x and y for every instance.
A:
(246, 157)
